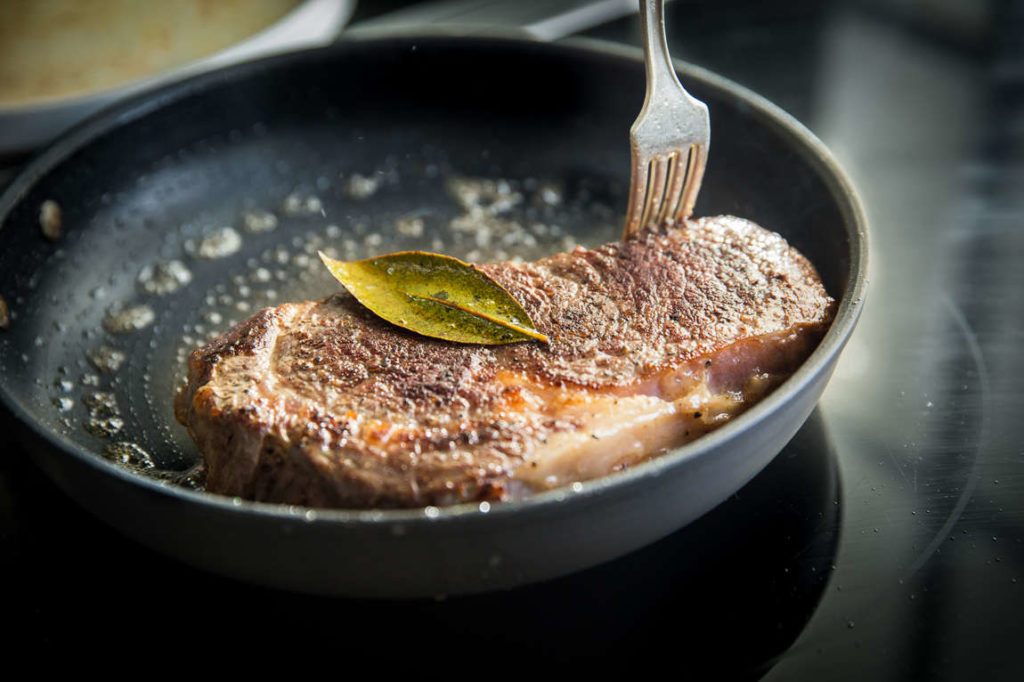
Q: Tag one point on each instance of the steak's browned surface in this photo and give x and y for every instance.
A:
(654, 341)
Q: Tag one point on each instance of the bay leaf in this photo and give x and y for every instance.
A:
(437, 296)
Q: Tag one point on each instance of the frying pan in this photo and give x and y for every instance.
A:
(148, 180)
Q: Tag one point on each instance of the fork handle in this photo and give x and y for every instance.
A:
(660, 72)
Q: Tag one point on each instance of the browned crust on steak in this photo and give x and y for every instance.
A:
(322, 403)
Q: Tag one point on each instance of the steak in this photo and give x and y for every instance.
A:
(654, 341)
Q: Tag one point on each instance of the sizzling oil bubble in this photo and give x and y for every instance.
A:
(220, 243)
(128, 454)
(410, 226)
(362, 186)
(104, 416)
(100, 403)
(193, 479)
(50, 222)
(486, 204)
(550, 194)
(160, 279)
(63, 403)
(299, 204)
(106, 359)
(103, 427)
(483, 194)
(259, 221)
(128, 318)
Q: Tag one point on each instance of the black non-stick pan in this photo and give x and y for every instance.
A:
(193, 206)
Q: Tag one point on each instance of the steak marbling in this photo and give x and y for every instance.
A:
(653, 341)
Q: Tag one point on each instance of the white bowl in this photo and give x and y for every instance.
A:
(25, 127)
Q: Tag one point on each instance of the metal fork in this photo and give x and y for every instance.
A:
(669, 139)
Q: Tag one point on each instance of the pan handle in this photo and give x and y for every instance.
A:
(538, 19)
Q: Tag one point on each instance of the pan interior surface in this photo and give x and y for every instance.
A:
(188, 210)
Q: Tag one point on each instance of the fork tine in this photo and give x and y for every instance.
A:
(697, 160)
(669, 138)
(674, 188)
(655, 191)
(637, 194)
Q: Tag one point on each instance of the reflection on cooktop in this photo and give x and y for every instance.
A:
(910, 435)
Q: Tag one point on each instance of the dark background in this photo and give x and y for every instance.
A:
(885, 543)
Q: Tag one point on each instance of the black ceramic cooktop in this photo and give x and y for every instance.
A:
(886, 542)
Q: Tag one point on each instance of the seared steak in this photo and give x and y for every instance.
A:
(654, 341)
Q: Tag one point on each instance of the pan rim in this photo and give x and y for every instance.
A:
(805, 142)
